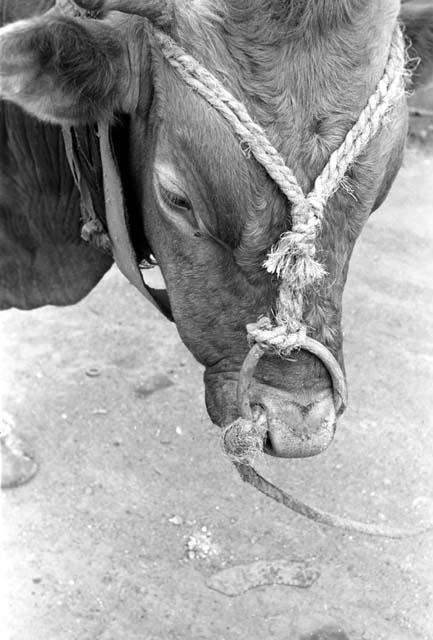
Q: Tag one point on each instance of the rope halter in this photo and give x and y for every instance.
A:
(293, 258)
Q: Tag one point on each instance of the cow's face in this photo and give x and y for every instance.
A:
(209, 211)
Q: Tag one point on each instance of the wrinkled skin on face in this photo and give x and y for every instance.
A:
(211, 213)
(208, 210)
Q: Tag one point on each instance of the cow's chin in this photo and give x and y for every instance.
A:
(298, 425)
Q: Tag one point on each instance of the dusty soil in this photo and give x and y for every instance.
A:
(134, 508)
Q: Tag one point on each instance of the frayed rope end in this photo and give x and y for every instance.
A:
(242, 441)
(293, 261)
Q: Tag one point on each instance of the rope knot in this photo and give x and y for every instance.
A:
(293, 258)
(276, 338)
(242, 440)
(304, 213)
(93, 231)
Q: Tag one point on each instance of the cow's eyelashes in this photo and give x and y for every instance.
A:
(175, 200)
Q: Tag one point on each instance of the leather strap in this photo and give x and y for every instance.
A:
(93, 229)
(115, 211)
(115, 216)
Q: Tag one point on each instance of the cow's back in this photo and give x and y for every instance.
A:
(42, 257)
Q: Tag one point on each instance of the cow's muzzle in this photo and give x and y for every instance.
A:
(289, 423)
(298, 430)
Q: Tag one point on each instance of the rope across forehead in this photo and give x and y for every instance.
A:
(293, 258)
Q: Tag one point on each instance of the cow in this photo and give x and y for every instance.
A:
(199, 204)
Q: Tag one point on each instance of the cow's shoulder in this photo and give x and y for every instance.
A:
(43, 259)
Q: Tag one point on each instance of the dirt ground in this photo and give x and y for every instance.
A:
(134, 508)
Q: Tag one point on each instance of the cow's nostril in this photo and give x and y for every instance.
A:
(300, 430)
(267, 445)
(304, 409)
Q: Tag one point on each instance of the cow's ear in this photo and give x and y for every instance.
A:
(417, 20)
(67, 70)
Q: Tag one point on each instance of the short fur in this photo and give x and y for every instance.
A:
(303, 69)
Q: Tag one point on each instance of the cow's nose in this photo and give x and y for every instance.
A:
(300, 429)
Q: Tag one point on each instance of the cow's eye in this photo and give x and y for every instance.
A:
(170, 193)
(175, 199)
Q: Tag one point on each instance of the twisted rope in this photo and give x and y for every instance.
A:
(234, 112)
(280, 339)
(250, 475)
(292, 259)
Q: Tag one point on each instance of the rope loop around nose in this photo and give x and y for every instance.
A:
(242, 440)
(276, 339)
(293, 259)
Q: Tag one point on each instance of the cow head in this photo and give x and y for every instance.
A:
(210, 213)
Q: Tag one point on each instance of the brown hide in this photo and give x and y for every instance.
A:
(210, 213)
(42, 257)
